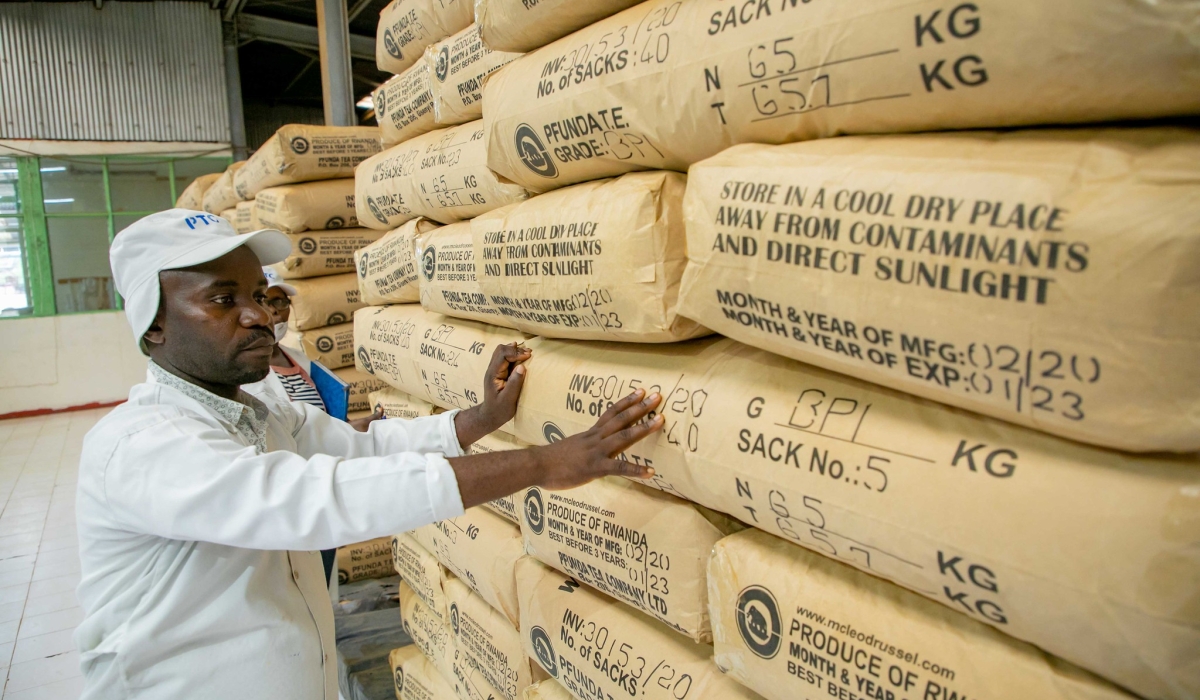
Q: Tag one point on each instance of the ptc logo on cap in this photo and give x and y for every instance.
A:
(308, 246)
(324, 343)
(429, 262)
(758, 621)
(552, 433)
(544, 650)
(532, 153)
(454, 617)
(202, 220)
(300, 145)
(535, 511)
(389, 43)
(365, 359)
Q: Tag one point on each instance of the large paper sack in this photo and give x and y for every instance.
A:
(448, 281)
(319, 253)
(1046, 278)
(668, 83)
(639, 546)
(520, 25)
(406, 27)
(327, 204)
(416, 678)
(192, 196)
(404, 106)
(303, 152)
(792, 624)
(460, 65)
(487, 641)
(480, 548)
(332, 346)
(598, 261)
(983, 516)
(442, 175)
(597, 647)
(387, 269)
(440, 359)
(324, 301)
(221, 195)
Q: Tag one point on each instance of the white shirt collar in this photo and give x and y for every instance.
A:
(247, 414)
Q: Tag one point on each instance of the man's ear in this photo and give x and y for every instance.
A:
(155, 336)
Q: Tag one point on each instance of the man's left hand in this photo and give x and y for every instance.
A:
(501, 389)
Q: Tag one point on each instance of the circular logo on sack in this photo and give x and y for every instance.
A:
(375, 211)
(544, 650)
(454, 617)
(335, 318)
(442, 66)
(532, 153)
(362, 265)
(308, 246)
(399, 681)
(379, 100)
(343, 577)
(324, 343)
(365, 360)
(758, 621)
(389, 43)
(535, 511)
(429, 263)
(300, 145)
(552, 433)
(335, 222)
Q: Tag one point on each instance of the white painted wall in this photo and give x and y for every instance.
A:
(64, 361)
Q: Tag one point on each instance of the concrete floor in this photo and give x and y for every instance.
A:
(39, 555)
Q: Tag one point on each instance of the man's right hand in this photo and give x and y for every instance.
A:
(571, 462)
(589, 455)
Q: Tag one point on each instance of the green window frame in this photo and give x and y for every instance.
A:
(33, 219)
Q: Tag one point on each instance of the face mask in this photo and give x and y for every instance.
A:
(280, 331)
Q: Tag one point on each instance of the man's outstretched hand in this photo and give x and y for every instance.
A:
(571, 462)
(501, 388)
(576, 460)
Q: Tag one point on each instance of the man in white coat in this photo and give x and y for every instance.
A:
(203, 500)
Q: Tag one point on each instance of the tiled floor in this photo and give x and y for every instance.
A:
(39, 556)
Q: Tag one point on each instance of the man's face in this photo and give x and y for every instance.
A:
(212, 323)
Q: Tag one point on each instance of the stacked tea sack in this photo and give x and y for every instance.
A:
(301, 183)
(946, 446)
(222, 199)
(193, 195)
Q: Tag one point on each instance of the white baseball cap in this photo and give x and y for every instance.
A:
(171, 240)
(274, 280)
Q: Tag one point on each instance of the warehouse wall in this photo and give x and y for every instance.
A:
(132, 71)
(63, 361)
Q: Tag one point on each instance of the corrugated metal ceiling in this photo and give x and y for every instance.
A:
(129, 72)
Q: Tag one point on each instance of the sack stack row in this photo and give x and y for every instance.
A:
(945, 445)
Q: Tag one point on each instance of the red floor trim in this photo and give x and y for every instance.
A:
(48, 411)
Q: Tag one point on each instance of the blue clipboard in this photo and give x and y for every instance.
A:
(334, 392)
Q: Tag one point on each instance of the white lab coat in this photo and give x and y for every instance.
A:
(200, 575)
